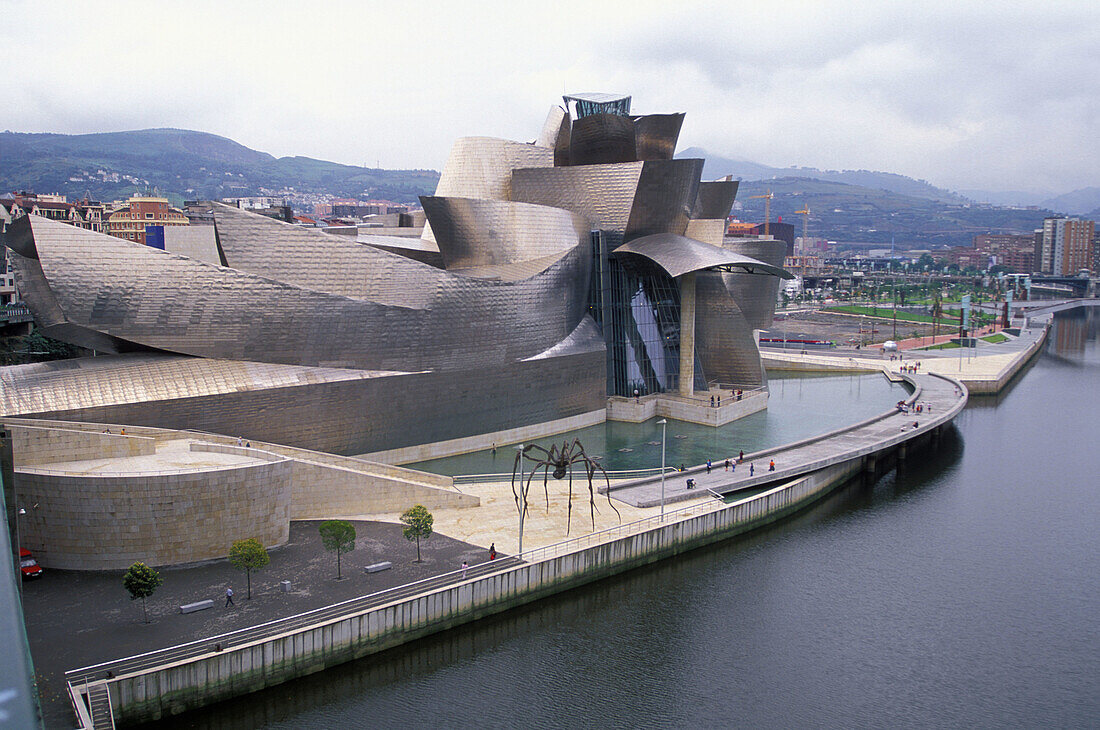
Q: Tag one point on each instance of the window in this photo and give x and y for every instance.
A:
(149, 216)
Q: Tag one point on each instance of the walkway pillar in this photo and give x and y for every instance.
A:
(687, 334)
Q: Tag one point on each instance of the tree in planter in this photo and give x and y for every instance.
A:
(141, 581)
(338, 536)
(418, 524)
(248, 555)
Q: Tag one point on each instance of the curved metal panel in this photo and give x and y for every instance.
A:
(472, 233)
(678, 255)
(603, 194)
(707, 231)
(724, 340)
(172, 303)
(756, 295)
(481, 167)
(715, 199)
(551, 128)
(656, 135)
(602, 139)
(666, 192)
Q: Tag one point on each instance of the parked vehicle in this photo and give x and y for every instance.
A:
(28, 566)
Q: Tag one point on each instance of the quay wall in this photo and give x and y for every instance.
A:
(217, 675)
(33, 445)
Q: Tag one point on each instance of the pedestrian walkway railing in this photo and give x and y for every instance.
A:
(611, 474)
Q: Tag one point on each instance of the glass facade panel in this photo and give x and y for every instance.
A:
(638, 310)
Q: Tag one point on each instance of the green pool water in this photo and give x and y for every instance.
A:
(800, 406)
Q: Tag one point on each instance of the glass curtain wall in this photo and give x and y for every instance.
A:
(638, 309)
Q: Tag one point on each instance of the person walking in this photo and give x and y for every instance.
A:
(771, 465)
(727, 464)
(741, 456)
(492, 551)
(752, 469)
(229, 597)
(708, 466)
(465, 566)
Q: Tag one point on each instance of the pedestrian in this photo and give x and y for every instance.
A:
(240, 441)
(464, 567)
(123, 432)
(493, 551)
(771, 465)
(493, 451)
(682, 468)
(719, 401)
(740, 456)
(752, 469)
(635, 395)
(708, 466)
(248, 444)
(229, 597)
(727, 464)
(712, 401)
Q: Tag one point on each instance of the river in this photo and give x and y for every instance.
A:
(960, 589)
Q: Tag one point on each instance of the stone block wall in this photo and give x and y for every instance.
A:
(32, 445)
(107, 522)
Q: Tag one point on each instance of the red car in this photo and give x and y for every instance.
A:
(28, 566)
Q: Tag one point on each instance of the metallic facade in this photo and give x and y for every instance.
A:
(546, 278)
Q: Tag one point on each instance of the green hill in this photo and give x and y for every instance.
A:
(185, 164)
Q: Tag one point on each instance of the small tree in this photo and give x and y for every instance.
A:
(338, 536)
(141, 581)
(248, 555)
(418, 524)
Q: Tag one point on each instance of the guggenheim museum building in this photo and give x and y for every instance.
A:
(551, 275)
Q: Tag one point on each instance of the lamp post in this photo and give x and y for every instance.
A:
(523, 494)
(18, 554)
(664, 426)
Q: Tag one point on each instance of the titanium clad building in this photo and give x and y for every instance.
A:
(589, 263)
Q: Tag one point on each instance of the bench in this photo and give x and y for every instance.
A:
(378, 567)
(196, 606)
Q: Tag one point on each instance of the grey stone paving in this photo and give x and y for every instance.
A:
(78, 618)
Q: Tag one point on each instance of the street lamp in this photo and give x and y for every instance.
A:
(664, 426)
(523, 494)
(18, 554)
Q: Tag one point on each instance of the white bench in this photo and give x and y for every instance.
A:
(196, 606)
(378, 567)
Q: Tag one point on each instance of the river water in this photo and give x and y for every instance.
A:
(961, 589)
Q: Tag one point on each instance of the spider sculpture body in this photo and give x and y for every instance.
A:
(557, 462)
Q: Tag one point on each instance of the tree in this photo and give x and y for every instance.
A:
(418, 524)
(338, 536)
(141, 581)
(248, 555)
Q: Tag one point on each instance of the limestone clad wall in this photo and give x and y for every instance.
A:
(50, 445)
(107, 522)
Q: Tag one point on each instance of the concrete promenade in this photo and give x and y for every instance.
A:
(985, 369)
(940, 397)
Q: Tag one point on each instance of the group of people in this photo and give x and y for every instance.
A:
(716, 401)
(909, 368)
(731, 466)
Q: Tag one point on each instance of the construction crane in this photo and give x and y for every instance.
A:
(805, 213)
(767, 210)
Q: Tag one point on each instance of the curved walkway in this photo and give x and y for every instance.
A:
(941, 397)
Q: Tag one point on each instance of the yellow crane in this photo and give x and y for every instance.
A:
(767, 210)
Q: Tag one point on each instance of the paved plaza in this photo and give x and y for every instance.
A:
(78, 618)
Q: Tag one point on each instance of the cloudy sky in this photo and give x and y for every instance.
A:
(987, 95)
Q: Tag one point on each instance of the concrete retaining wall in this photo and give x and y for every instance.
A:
(33, 445)
(109, 521)
(215, 676)
(653, 406)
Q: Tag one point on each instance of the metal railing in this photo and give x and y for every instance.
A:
(611, 474)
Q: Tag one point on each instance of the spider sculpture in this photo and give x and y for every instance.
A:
(557, 462)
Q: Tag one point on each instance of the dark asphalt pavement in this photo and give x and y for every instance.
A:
(77, 618)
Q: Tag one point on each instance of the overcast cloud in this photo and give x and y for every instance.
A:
(992, 95)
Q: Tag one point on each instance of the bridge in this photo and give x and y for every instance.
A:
(1038, 308)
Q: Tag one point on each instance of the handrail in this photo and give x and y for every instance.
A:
(505, 476)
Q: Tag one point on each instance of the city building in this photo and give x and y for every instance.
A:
(548, 277)
(131, 220)
(1065, 246)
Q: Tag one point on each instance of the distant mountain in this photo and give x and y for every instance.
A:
(863, 215)
(716, 167)
(1019, 198)
(185, 164)
(1085, 201)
